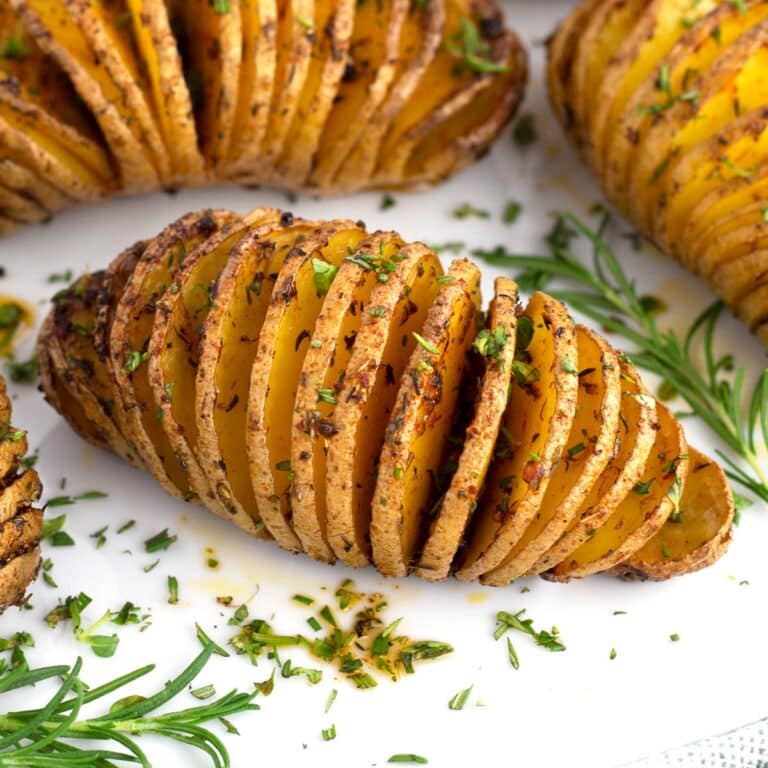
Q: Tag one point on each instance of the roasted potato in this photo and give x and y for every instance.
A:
(665, 101)
(336, 391)
(20, 522)
(329, 97)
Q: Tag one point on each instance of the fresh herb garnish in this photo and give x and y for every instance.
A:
(159, 542)
(467, 210)
(173, 590)
(506, 621)
(467, 46)
(459, 701)
(44, 737)
(23, 372)
(524, 132)
(323, 273)
(408, 757)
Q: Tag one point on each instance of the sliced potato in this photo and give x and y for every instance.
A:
(23, 180)
(20, 208)
(258, 19)
(130, 336)
(77, 361)
(383, 347)
(460, 501)
(55, 31)
(535, 431)
(644, 510)
(227, 352)
(420, 38)
(634, 439)
(423, 415)
(175, 347)
(294, 37)
(332, 28)
(283, 342)
(455, 131)
(695, 537)
(170, 98)
(589, 448)
(210, 38)
(371, 64)
(470, 124)
(25, 140)
(108, 29)
(662, 123)
(15, 575)
(321, 379)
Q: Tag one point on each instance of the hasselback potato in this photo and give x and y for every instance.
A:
(667, 104)
(20, 522)
(100, 98)
(337, 391)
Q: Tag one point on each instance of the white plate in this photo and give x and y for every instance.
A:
(574, 708)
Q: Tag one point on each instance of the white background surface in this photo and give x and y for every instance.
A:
(575, 708)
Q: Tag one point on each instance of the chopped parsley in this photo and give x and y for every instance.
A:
(524, 132)
(323, 275)
(467, 210)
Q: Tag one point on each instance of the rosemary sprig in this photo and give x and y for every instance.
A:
(714, 390)
(40, 738)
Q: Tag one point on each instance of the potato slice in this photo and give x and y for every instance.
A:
(23, 180)
(227, 352)
(462, 129)
(662, 120)
(561, 71)
(19, 208)
(372, 61)
(32, 85)
(382, 349)
(737, 75)
(258, 19)
(332, 28)
(175, 346)
(454, 513)
(448, 80)
(694, 538)
(420, 38)
(589, 448)
(654, 33)
(605, 27)
(210, 38)
(296, 30)
(322, 377)
(57, 394)
(733, 152)
(57, 34)
(130, 334)
(633, 441)
(22, 531)
(415, 442)
(165, 86)
(108, 29)
(644, 510)
(77, 361)
(535, 431)
(283, 342)
(30, 139)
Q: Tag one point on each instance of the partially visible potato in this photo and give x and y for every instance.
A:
(666, 101)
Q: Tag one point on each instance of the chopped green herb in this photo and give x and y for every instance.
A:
(206, 641)
(323, 275)
(512, 655)
(99, 536)
(387, 202)
(173, 590)
(329, 701)
(222, 6)
(159, 542)
(674, 637)
(467, 210)
(453, 246)
(408, 758)
(326, 396)
(134, 359)
(303, 599)
(204, 692)
(151, 566)
(329, 733)
(459, 700)
(524, 132)
(470, 48)
(512, 212)
(428, 345)
(126, 526)
(23, 372)
(612, 655)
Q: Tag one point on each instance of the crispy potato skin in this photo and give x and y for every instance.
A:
(666, 103)
(329, 97)
(335, 391)
(20, 521)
